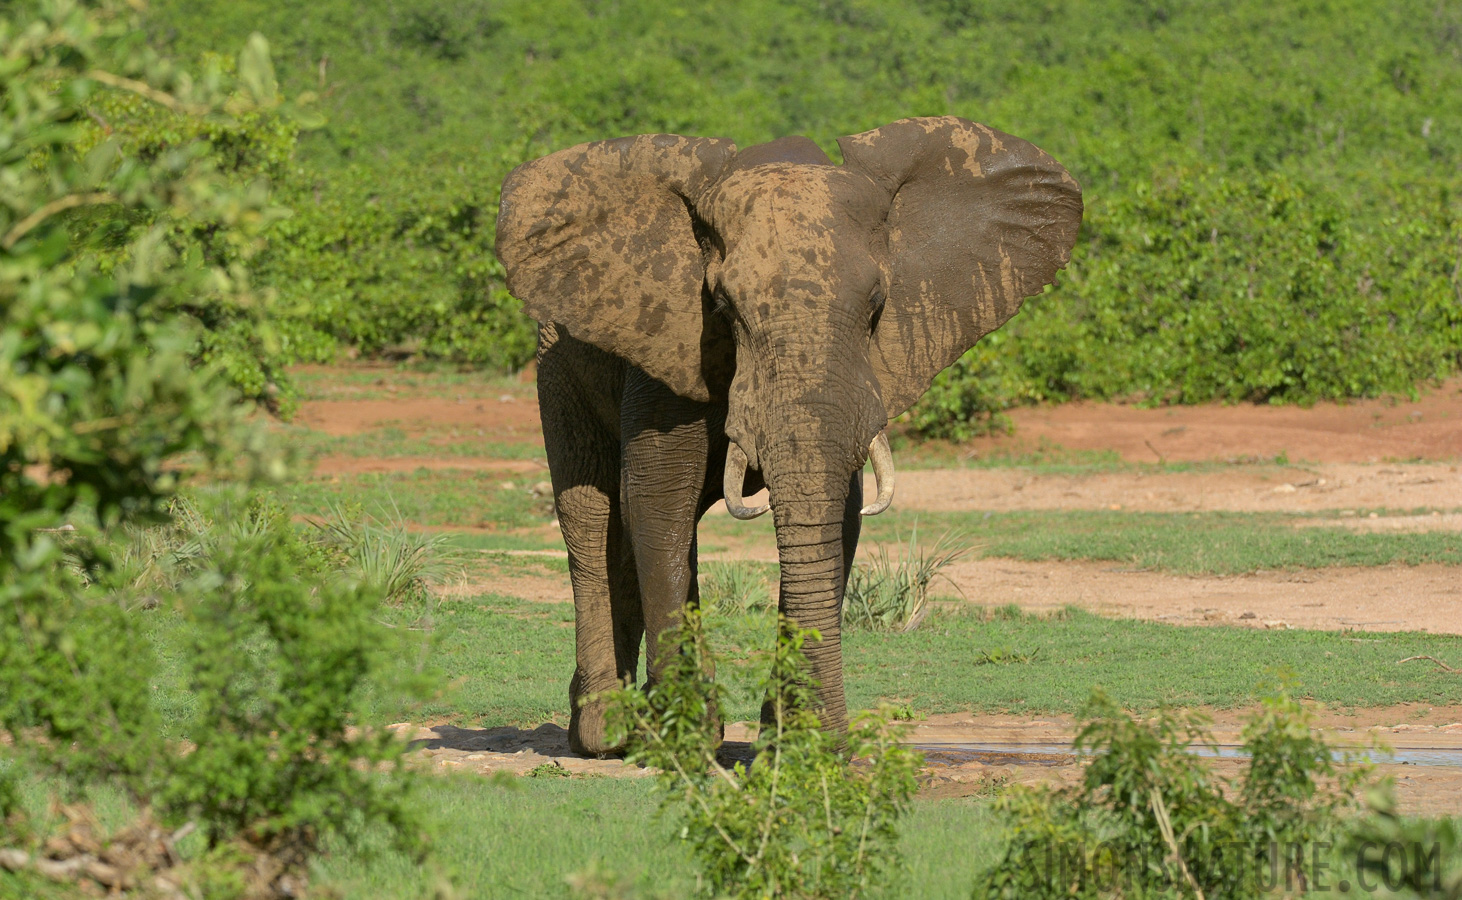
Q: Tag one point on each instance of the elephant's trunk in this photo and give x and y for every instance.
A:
(816, 531)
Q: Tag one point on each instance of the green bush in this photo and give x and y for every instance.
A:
(1204, 286)
(1272, 188)
(1153, 819)
(278, 653)
(802, 820)
(394, 259)
(106, 405)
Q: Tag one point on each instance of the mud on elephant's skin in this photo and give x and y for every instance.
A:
(715, 320)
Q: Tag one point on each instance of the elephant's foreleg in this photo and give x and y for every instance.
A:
(607, 620)
(578, 389)
(665, 465)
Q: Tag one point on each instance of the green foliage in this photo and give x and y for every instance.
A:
(802, 820)
(1430, 861)
(891, 593)
(123, 240)
(1271, 189)
(279, 656)
(395, 259)
(1205, 286)
(737, 587)
(1153, 817)
(97, 390)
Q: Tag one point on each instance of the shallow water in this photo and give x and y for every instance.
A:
(1037, 754)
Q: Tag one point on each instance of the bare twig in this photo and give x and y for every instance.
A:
(60, 204)
(146, 91)
(1445, 667)
(1165, 825)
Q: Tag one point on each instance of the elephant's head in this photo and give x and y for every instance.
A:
(816, 300)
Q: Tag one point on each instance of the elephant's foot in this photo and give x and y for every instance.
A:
(587, 723)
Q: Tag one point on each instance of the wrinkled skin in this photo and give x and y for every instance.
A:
(691, 296)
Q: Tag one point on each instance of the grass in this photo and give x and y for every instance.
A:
(1200, 543)
(439, 498)
(425, 379)
(504, 661)
(484, 830)
(737, 587)
(1209, 543)
(890, 591)
(945, 666)
(390, 442)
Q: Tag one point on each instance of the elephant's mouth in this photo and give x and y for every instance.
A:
(734, 480)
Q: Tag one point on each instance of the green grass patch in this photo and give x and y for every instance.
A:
(451, 497)
(505, 661)
(522, 837)
(425, 378)
(390, 441)
(944, 666)
(1209, 543)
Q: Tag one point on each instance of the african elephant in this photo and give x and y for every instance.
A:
(714, 320)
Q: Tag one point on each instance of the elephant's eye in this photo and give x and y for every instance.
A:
(875, 301)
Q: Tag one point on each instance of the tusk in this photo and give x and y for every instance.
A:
(882, 458)
(733, 481)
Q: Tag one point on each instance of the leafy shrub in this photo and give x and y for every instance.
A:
(394, 259)
(1204, 286)
(891, 592)
(106, 405)
(279, 656)
(734, 588)
(802, 820)
(1430, 864)
(1299, 197)
(1152, 817)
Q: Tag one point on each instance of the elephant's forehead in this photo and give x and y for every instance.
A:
(777, 194)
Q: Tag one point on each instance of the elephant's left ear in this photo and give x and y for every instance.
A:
(978, 220)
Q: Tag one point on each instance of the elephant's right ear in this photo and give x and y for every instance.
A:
(599, 239)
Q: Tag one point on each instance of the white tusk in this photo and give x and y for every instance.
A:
(882, 456)
(732, 483)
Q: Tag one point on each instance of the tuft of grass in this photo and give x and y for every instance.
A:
(383, 554)
(735, 588)
(891, 592)
(1004, 656)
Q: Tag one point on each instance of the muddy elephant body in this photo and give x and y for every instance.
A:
(714, 320)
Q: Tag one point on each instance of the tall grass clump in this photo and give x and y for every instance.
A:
(734, 588)
(891, 591)
(802, 820)
(385, 555)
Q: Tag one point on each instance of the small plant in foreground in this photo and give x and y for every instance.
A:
(891, 593)
(1154, 818)
(801, 821)
(736, 588)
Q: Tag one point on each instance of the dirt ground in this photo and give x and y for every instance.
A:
(1357, 465)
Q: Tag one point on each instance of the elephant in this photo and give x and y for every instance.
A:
(712, 321)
